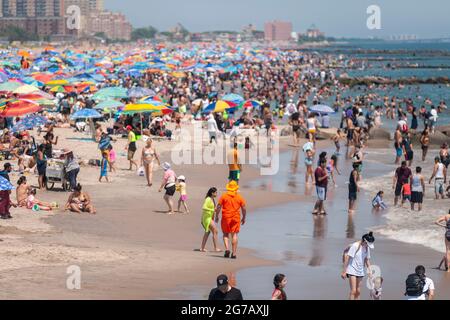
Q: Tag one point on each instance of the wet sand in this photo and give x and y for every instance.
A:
(130, 250)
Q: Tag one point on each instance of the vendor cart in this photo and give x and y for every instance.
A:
(56, 173)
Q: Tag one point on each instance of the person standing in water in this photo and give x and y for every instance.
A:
(356, 257)
(440, 178)
(321, 178)
(353, 188)
(402, 175)
(444, 221)
(417, 189)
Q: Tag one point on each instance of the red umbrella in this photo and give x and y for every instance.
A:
(18, 108)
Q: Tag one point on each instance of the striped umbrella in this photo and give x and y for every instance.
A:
(18, 108)
(251, 104)
(219, 106)
(144, 108)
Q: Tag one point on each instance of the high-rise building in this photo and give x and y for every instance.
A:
(41, 17)
(277, 31)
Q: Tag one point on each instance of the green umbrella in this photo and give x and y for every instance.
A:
(110, 93)
(109, 104)
(9, 86)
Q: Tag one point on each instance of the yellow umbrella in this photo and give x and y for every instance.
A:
(58, 89)
(57, 83)
(25, 89)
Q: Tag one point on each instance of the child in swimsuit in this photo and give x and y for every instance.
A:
(181, 187)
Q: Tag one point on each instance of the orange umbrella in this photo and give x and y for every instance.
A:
(24, 53)
(20, 108)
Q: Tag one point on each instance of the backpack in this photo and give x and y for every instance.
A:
(414, 285)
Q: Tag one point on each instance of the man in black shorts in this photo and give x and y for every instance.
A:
(403, 175)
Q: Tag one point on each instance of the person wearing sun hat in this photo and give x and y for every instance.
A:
(231, 204)
(169, 184)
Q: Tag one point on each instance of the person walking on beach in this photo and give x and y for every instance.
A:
(440, 178)
(402, 175)
(309, 152)
(209, 207)
(169, 184)
(398, 140)
(212, 129)
(425, 142)
(131, 147)
(417, 189)
(235, 168)
(231, 204)
(353, 188)
(321, 178)
(419, 286)
(355, 258)
(225, 291)
(279, 282)
(104, 167)
(181, 187)
(148, 158)
(444, 221)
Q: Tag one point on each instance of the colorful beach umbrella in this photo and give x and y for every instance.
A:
(5, 184)
(145, 108)
(233, 98)
(219, 106)
(251, 104)
(18, 108)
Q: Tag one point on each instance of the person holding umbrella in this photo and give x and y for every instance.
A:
(5, 200)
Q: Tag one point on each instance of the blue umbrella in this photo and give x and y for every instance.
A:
(29, 123)
(5, 184)
(86, 113)
(139, 92)
(320, 108)
(233, 98)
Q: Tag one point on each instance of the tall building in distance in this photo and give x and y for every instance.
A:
(41, 17)
(50, 18)
(277, 31)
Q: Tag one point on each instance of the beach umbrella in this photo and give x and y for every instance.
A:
(18, 108)
(61, 82)
(320, 108)
(25, 89)
(9, 86)
(58, 89)
(109, 104)
(251, 104)
(145, 108)
(29, 123)
(86, 114)
(111, 93)
(233, 98)
(219, 106)
(139, 92)
(5, 184)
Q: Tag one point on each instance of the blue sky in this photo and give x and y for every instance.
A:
(424, 18)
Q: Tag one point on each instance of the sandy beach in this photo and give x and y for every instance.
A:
(130, 250)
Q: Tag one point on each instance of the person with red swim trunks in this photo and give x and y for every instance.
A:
(231, 204)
